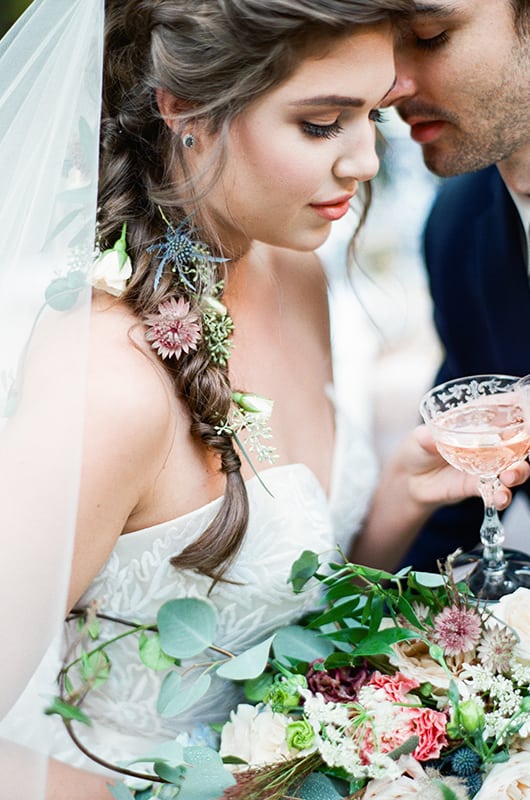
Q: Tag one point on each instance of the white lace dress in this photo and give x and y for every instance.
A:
(138, 578)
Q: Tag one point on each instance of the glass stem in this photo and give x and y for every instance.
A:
(492, 531)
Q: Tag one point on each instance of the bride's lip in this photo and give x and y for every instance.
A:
(333, 209)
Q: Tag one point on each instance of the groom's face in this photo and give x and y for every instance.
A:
(464, 83)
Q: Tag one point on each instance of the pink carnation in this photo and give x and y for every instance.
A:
(430, 727)
(403, 719)
(396, 687)
(174, 329)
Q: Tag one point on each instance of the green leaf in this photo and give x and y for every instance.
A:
(256, 689)
(405, 749)
(408, 612)
(187, 626)
(206, 777)
(300, 644)
(376, 614)
(249, 664)
(339, 611)
(317, 787)
(380, 643)
(151, 652)
(173, 701)
(95, 667)
(120, 792)
(303, 569)
(446, 792)
(170, 774)
(429, 579)
(67, 711)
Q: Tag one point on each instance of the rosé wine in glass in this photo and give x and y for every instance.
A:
(479, 427)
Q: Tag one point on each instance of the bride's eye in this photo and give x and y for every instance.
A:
(432, 42)
(322, 131)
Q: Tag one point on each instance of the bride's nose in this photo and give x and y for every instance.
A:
(359, 160)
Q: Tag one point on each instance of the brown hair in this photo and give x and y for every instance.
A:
(216, 57)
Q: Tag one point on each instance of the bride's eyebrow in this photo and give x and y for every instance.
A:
(337, 100)
(330, 100)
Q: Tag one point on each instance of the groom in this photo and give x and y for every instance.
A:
(463, 86)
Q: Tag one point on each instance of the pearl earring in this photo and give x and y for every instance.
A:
(188, 140)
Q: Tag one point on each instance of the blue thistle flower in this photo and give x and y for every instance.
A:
(185, 255)
(465, 762)
(473, 783)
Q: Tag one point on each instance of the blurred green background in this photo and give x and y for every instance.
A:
(9, 11)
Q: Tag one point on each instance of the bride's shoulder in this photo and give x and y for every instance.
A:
(125, 378)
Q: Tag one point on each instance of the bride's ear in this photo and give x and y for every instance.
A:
(171, 108)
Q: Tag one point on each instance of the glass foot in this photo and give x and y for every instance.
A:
(493, 584)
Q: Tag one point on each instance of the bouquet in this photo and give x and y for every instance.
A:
(402, 685)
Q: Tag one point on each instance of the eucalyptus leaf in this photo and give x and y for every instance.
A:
(187, 626)
(170, 752)
(168, 773)
(408, 612)
(376, 614)
(303, 569)
(300, 644)
(206, 778)
(151, 652)
(249, 664)
(318, 787)
(256, 689)
(431, 580)
(172, 700)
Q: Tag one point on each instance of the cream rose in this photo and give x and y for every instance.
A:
(508, 781)
(514, 610)
(414, 784)
(257, 735)
(111, 272)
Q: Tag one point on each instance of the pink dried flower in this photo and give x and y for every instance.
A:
(496, 648)
(457, 630)
(174, 329)
(338, 685)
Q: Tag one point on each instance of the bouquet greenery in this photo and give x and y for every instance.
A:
(400, 686)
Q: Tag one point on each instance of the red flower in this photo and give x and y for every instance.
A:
(338, 685)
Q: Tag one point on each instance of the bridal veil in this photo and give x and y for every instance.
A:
(50, 96)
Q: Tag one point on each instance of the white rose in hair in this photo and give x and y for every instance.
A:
(111, 271)
(256, 734)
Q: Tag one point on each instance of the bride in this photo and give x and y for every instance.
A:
(232, 135)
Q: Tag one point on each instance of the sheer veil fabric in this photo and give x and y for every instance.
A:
(50, 98)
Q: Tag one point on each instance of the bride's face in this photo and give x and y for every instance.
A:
(295, 156)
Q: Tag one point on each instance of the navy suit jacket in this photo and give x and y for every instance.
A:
(474, 249)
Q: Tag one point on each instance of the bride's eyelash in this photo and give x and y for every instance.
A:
(322, 131)
(433, 42)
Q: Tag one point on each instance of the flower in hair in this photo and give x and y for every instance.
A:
(191, 261)
(174, 329)
(113, 268)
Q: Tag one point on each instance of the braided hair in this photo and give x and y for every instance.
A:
(215, 57)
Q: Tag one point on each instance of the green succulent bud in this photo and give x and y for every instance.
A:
(299, 734)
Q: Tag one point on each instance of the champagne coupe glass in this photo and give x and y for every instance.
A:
(479, 427)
